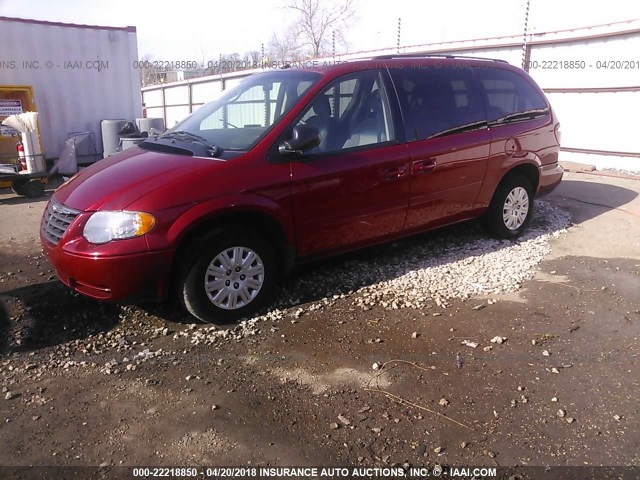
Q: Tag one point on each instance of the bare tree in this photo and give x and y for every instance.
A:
(149, 74)
(255, 57)
(318, 19)
(281, 47)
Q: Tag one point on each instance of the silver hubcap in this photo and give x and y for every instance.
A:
(234, 278)
(516, 208)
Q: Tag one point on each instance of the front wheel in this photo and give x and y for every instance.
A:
(228, 275)
(511, 208)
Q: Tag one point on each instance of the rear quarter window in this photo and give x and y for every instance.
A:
(508, 93)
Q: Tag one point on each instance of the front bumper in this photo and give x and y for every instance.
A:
(134, 277)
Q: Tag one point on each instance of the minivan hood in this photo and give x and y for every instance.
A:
(116, 182)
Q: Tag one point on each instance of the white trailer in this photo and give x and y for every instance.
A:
(79, 74)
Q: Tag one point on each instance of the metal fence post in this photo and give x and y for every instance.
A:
(164, 107)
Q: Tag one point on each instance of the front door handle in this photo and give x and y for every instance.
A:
(394, 173)
(424, 166)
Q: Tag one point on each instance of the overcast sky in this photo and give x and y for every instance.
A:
(202, 29)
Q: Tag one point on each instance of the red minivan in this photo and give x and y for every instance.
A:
(297, 164)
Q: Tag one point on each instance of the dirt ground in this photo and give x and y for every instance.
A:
(98, 384)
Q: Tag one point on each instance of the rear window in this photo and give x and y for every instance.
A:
(508, 93)
(438, 101)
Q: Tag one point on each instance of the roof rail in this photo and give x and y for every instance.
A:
(434, 55)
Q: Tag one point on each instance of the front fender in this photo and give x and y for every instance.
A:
(209, 210)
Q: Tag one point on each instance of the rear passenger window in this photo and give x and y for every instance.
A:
(507, 93)
(438, 101)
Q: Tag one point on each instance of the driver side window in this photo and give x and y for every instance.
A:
(352, 112)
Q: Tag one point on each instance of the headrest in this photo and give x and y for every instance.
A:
(322, 107)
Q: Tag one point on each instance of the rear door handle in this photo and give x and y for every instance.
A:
(394, 173)
(424, 166)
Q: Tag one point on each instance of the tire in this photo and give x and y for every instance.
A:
(34, 189)
(511, 207)
(19, 187)
(225, 251)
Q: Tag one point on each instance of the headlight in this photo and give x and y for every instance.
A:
(102, 227)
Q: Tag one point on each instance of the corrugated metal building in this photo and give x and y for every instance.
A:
(80, 74)
(591, 75)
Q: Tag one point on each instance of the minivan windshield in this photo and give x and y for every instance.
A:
(243, 114)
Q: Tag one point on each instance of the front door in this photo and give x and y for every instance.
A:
(353, 188)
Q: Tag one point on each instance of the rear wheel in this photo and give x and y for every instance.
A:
(511, 208)
(228, 275)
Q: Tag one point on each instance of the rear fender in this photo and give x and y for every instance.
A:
(496, 173)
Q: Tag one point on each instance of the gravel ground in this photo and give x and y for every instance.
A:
(621, 172)
(457, 263)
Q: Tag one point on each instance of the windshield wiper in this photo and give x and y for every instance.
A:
(461, 129)
(516, 117)
(192, 137)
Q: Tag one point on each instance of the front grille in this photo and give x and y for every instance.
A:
(56, 220)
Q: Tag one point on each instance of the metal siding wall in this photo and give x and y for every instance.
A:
(513, 55)
(591, 52)
(603, 161)
(201, 92)
(72, 100)
(152, 98)
(599, 121)
(175, 114)
(206, 92)
(248, 113)
(155, 112)
(243, 114)
(177, 95)
(135, 81)
(232, 82)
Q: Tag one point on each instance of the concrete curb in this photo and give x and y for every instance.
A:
(575, 167)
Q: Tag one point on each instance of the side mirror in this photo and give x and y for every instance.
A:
(303, 137)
